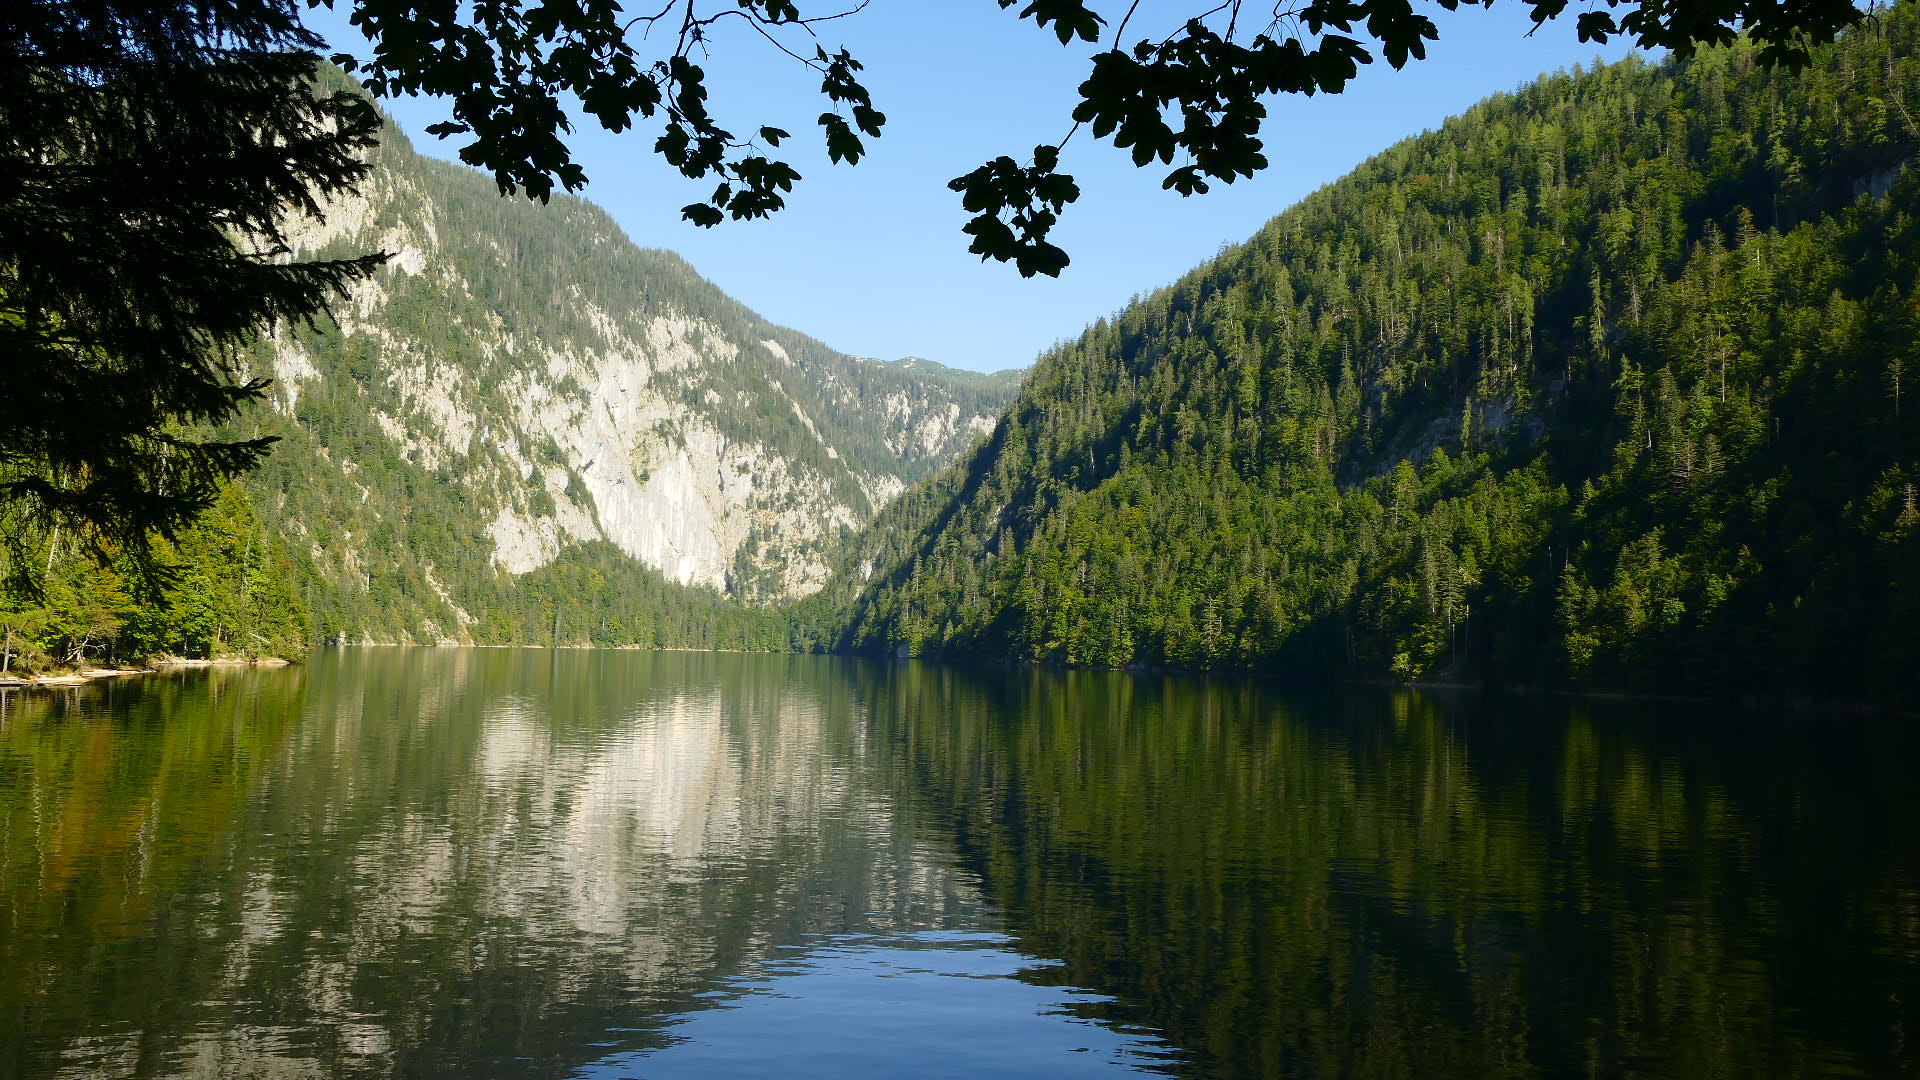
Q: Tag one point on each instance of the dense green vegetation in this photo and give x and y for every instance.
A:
(595, 595)
(1603, 384)
(224, 591)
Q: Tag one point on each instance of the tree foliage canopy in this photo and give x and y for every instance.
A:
(1188, 99)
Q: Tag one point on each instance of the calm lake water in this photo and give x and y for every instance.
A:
(532, 864)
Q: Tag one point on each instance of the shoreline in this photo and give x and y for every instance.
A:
(157, 667)
(1751, 703)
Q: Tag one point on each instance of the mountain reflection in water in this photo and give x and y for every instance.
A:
(530, 863)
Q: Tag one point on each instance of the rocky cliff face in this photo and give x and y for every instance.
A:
(522, 380)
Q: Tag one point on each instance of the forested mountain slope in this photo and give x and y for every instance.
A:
(525, 412)
(1605, 383)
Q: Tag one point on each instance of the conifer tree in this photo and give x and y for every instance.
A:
(149, 156)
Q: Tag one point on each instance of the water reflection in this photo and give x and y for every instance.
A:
(489, 862)
(101, 826)
(481, 863)
(1405, 885)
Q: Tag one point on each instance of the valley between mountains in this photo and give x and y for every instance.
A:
(1605, 384)
(522, 392)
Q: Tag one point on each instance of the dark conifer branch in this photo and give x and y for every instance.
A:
(148, 160)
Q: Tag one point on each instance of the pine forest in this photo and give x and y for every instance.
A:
(1604, 384)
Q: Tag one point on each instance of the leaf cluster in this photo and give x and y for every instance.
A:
(509, 70)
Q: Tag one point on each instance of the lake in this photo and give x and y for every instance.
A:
(526, 863)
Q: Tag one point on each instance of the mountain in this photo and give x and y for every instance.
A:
(1605, 383)
(525, 421)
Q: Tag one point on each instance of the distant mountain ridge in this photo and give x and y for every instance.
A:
(1606, 383)
(1007, 379)
(522, 386)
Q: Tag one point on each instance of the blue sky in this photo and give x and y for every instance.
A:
(870, 259)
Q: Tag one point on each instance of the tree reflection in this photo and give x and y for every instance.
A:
(1405, 885)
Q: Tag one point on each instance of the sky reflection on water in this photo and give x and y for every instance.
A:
(931, 1004)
